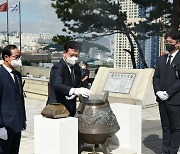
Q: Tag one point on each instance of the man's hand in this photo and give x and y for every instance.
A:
(3, 133)
(82, 91)
(162, 95)
(70, 97)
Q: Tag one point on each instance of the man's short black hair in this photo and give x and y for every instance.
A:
(175, 35)
(85, 63)
(7, 50)
(72, 45)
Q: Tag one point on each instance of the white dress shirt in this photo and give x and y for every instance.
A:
(9, 70)
(173, 55)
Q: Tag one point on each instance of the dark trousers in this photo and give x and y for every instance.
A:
(170, 122)
(10, 146)
(71, 106)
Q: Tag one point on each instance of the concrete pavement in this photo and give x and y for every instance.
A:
(151, 129)
(33, 107)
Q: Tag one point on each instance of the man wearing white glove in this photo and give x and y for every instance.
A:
(162, 95)
(166, 83)
(65, 79)
(3, 133)
(70, 97)
(80, 91)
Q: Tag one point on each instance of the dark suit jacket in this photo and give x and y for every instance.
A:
(61, 83)
(85, 72)
(12, 109)
(169, 80)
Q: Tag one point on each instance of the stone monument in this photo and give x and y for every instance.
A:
(130, 86)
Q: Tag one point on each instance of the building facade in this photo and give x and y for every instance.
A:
(122, 59)
(29, 41)
(150, 47)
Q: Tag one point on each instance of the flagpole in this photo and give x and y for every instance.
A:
(7, 24)
(20, 26)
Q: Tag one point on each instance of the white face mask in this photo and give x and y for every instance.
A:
(16, 63)
(71, 60)
(83, 67)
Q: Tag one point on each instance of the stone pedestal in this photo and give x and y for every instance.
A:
(130, 133)
(55, 136)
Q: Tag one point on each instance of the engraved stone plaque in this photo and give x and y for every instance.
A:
(119, 82)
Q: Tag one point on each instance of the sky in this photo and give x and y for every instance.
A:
(37, 16)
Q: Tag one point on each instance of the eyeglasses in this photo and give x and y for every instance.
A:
(171, 42)
(73, 53)
(76, 54)
(16, 57)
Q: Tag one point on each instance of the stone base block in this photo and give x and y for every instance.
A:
(55, 136)
(130, 121)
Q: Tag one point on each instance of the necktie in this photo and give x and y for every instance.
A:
(168, 62)
(15, 79)
(72, 74)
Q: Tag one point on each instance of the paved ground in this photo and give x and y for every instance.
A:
(151, 130)
(33, 107)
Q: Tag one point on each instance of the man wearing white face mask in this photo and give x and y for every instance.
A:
(65, 79)
(12, 109)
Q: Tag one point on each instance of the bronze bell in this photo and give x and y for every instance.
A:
(96, 122)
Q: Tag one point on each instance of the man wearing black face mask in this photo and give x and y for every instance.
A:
(65, 78)
(166, 82)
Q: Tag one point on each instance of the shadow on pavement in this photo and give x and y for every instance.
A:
(152, 136)
(153, 142)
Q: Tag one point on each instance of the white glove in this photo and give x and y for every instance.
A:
(162, 95)
(70, 97)
(82, 91)
(3, 133)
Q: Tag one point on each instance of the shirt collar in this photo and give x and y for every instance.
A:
(7, 68)
(67, 65)
(174, 54)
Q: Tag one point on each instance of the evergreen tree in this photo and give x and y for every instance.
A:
(161, 15)
(92, 19)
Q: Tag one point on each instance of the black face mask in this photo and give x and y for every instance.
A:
(170, 47)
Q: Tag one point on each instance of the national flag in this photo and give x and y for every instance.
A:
(14, 8)
(4, 7)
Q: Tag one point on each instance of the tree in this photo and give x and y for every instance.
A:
(92, 19)
(175, 20)
(61, 39)
(161, 15)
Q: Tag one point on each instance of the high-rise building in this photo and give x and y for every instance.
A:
(150, 47)
(122, 59)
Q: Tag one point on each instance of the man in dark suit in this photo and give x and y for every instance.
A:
(166, 82)
(85, 75)
(12, 109)
(65, 78)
